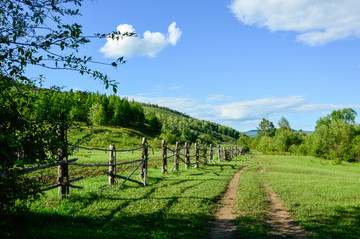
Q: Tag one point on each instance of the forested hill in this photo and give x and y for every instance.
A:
(154, 121)
(181, 126)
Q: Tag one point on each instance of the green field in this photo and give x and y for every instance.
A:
(178, 204)
(323, 198)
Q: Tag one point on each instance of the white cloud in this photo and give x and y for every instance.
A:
(322, 107)
(317, 22)
(175, 87)
(257, 109)
(219, 97)
(245, 114)
(150, 45)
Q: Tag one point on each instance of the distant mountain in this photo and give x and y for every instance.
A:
(253, 133)
(306, 131)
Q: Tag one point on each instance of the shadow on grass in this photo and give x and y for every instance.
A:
(114, 222)
(344, 224)
(153, 225)
(249, 227)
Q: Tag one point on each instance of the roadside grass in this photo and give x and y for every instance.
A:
(323, 198)
(252, 203)
(175, 205)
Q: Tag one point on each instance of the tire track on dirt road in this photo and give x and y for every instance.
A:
(225, 224)
(279, 218)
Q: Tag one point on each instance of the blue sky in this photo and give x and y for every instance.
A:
(230, 62)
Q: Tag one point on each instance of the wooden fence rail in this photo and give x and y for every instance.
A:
(180, 154)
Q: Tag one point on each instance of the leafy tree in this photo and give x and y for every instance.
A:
(301, 132)
(347, 114)
(355, 148)
(334, 134)
(32, 32)
(266, 144)
(79, 111)
(284, 123)
(285, 138)
(153, 122)
(243, 140)
(266, 128)
(305, 148)
(97, 114)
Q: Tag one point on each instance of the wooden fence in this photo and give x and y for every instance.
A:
(202, 155)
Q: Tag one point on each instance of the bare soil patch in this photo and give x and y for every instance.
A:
(262, 170)
(282, 224)
(225, 224)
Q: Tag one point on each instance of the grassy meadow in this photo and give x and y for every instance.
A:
(323, 198)
(175, 205)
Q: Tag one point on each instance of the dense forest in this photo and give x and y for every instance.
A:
(111, 110)
(191, 129)
(336, 137)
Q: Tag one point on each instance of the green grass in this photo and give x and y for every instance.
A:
(323, 198)
(48, 176)
(253, 204)
(175, 205)
(103, 136)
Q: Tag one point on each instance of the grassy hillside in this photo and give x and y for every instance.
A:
(124, 137)
(103, 136)
(211, 132)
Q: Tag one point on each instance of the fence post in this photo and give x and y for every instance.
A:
(62, 168)
(144, 156)
(112, 166)
(163, 157)
(205, 155)
(222, 153)
(196, 156)
(177, 151)
(187, 158)
(218, 151)
(210, 154)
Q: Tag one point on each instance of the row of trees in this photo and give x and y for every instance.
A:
(336, 137)
(112, 110)
(194, 130)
